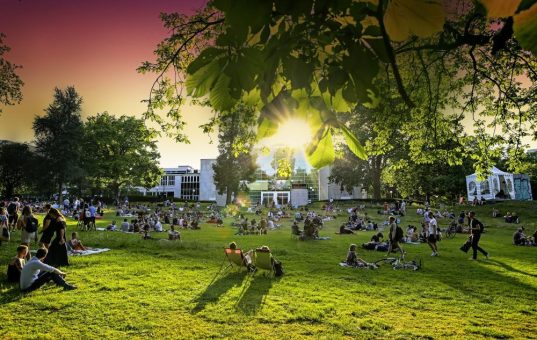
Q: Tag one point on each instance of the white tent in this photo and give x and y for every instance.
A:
(499, 184)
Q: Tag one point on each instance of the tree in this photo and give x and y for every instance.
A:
(320, 58)
(120, 152)
(235, 162)
(283, 162)
(16, 167)
(58, 137)
(10, 83)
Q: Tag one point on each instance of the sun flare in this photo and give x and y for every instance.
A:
(293, 133)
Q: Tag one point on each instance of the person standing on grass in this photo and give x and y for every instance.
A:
(57, 254)
(13, 213)
(35, 274)
(432, 236)
(48, 230)
(28, 225)
(395, 236)
(476, 229)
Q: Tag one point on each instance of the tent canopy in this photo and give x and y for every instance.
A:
(499, 184)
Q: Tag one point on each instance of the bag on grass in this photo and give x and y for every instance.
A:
(278, 268)
(467, 245)
(5, 234)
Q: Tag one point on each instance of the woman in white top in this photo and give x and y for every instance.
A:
(432, 234)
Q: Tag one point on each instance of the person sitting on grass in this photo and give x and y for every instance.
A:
(295, 230)
(112, 226)
(519, 238)
(377, 238)
(172, 234)
(35, 274)
(125, 225)
(344, 229)
(353, 259)
(14, 268)
(146, 236)
(508, 217)
(75, 243)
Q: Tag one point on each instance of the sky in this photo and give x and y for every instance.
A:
(96, 46)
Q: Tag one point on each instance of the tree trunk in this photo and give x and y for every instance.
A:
(228, 196)
(60, 193)
(376, 172)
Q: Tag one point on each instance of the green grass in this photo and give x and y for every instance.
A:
(163, 289)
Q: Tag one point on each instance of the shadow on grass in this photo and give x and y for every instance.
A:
(253, 296)
(217, 288)
(509, 268)
(11, 294)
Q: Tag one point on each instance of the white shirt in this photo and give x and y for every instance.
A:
(433, 226)
(158, 226)
(31, 270)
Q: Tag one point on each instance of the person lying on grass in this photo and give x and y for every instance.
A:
(35, 274)
(75, 243)
(14, 268)
(353, 259)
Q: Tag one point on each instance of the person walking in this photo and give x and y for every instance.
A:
(13, 213)
(395, 236)
(28, 225)
(476, 229)
(432, 236)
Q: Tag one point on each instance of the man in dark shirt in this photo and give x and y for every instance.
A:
(476, 228)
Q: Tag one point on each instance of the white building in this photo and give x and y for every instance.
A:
(185, 182)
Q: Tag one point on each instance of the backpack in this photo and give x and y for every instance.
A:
(399, 234)
(31, 225)
(11, 208)
(278, 269)
(88, 214)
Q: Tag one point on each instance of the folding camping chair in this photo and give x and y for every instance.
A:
(235, 258)
(264, 260)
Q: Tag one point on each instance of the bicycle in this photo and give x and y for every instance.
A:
(451, 231)
(397, 263)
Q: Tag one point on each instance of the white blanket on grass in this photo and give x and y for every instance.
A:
(87, 252)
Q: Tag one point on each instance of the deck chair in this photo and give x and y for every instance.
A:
(264, 260)
(235, 258)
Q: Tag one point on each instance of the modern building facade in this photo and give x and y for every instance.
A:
(301, 187)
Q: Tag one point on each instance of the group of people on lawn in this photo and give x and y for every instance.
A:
(33, 272)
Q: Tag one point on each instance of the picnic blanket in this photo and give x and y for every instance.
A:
(87, 252)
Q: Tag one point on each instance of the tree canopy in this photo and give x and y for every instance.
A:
(10, 82)
(120, 151)
(58, 136)
(320, 59)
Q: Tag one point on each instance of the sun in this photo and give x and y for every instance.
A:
(293, 133)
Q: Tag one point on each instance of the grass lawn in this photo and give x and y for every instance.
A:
(161, 289)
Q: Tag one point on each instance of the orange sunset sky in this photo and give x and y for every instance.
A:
(95, 45)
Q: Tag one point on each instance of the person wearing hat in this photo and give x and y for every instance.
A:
(395, 236)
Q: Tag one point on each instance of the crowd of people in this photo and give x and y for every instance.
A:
(52, 252)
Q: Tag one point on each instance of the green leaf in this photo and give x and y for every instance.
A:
(266, 128)
(201, 82)
(525, 28)
(353, 143)
(204, 58)
(406, 18)
(321, 152)
(298, 72)
(220, 98)
(362, 67)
